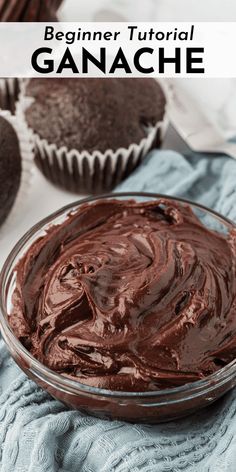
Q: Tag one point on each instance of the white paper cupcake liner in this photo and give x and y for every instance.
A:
(84, 172)
(9, 92)
(27, 164)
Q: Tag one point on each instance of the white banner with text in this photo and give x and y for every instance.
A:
(178, 49)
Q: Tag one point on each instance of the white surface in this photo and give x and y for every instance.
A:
(43, 198)
(217, 97)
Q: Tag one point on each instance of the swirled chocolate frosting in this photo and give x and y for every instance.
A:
(129, 296)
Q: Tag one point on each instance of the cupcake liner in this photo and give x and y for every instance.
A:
(84, 172)
(9, 92)
(27, 159)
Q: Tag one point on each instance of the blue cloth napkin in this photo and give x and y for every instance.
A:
(37, 433)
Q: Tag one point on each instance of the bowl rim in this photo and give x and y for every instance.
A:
(192, 389)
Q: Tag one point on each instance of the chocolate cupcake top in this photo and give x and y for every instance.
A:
(129, 296)
(94, 114)
(29, 10)
(10, 167)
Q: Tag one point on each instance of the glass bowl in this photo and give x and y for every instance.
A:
(148, 407)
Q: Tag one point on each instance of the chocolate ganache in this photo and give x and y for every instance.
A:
(129, 296)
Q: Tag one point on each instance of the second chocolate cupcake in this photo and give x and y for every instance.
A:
(91, 133)
(16, 158)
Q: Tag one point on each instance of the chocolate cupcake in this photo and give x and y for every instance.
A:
(16, 159)
(10, 167)
(91, 133)
(29, 10)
